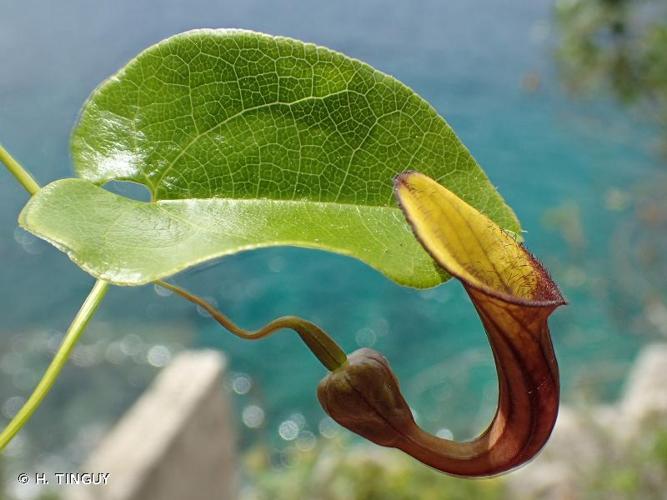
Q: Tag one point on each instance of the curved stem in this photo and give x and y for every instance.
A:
(528, 386)
(317, 340)
(21, 174)
(73, 334)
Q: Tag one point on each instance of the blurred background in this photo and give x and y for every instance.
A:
(564, 104)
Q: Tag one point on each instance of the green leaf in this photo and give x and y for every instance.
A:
(130, 242)
(246, 140)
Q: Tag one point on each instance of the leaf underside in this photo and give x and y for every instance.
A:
(246, 140)
(176, 234)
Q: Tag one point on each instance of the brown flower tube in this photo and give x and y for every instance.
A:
(513, 295)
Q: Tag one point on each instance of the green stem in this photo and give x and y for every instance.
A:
(322, 346)
(72, 336)
(83, 317)
(18, 171)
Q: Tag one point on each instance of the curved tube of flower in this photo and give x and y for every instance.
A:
(513, 295)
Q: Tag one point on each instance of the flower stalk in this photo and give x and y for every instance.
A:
(317, 340)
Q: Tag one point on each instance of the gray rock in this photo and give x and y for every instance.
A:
(175, 443)
(645, 395)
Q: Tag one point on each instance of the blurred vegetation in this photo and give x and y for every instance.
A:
(337, 470)
(636, 470)
(620, 45)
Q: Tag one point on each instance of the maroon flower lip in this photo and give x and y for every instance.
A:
(513, 295)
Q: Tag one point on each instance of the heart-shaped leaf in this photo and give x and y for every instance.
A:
(246, 140)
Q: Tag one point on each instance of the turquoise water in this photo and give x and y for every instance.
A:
(487, 68)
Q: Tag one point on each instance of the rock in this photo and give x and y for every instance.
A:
(552, 474)
(645, 396)
(176, 442)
